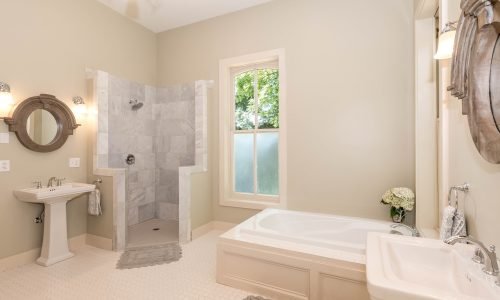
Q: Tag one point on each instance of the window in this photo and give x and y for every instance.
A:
(252, 131)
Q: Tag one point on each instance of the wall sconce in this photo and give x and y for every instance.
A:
(6, 100)
(446, 41)
(80, 108)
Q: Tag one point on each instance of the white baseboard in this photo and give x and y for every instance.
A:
(204, 229)
(219, 225)
(20, 259)
(77, 242)
(30, 256)
(99, 242)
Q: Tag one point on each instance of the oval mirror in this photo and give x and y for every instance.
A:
(41, 127)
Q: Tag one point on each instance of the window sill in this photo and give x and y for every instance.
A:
(259, 205)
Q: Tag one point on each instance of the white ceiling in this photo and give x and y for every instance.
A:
(161, 15)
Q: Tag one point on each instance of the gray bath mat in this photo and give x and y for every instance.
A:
(145, 256)
(255, 298)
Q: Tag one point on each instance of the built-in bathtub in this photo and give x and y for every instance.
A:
(296, 255)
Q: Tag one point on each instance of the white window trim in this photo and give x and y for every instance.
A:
(226, 195)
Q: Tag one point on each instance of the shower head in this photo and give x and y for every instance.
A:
(136, 105)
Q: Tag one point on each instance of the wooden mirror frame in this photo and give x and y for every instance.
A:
(475, 73)
(63, 115)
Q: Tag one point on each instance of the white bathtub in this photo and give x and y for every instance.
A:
(296, 255)
(309, 230)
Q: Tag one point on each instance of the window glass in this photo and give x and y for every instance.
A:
(268, 92)
(244, 95)
(268, 163)
(244, 163)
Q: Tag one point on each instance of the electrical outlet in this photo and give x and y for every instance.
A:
(74, 162)
(4, 138)
(4, 165)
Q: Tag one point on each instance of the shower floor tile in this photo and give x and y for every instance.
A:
(143, 234)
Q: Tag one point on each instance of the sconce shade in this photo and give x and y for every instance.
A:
(80, 108)
(6, 100)
(445, 45)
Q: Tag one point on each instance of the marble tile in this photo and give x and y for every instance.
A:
(136, 197)
(146, 212)
(132, 216)
(178, 144)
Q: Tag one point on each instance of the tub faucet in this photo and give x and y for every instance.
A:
(51, 181)
(490, 257)
(413, 230)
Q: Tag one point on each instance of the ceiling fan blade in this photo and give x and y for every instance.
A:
(132, 9)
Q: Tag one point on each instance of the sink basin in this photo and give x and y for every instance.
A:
(401, 267)
(55, 237)
(55, 194)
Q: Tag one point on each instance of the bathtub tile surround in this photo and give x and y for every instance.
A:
(166, 135)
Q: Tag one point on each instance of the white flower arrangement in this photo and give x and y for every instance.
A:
(401, 200)
(400, 197)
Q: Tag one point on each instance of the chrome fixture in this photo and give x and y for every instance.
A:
(136, 105)
(37, 184)
(77, 100)
(489, 255)
(98, 180)
(59, 181)
(130, 159)
(50, 183)
(478, 256)
(465, 188)
(4, 87)
(413, 230)
(446, 41)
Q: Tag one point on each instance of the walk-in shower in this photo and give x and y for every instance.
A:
(162, 128)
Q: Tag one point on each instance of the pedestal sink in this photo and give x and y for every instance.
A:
(55, 237)
(401, 267)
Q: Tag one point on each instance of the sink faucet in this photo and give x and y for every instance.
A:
(51, 181)
(490, 257)
(413, 230)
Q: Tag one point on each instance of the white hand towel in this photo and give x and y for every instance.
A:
(94, 208)
(459, 227)
(447, 222)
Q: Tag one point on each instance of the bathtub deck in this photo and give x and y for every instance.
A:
(283, 269)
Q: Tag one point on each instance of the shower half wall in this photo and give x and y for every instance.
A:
(166, 135)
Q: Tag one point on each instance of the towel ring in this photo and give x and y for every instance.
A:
(457, 188)
(98, 180)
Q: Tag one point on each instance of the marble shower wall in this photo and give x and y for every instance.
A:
(174, 114)
(132, 132)
(160, 135)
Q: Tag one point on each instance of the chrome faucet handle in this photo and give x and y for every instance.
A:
(478, 256)
(492, 268)
(489, 254)
(59, 181)
(37, 184)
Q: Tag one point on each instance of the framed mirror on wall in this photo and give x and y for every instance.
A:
(475, 77)
(42, 123)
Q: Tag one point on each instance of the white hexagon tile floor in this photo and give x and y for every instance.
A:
(91, 274)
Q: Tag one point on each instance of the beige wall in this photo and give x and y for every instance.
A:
(201, 200)
(46, 46)
(466, 164)
(350, 95)
(103, 225)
